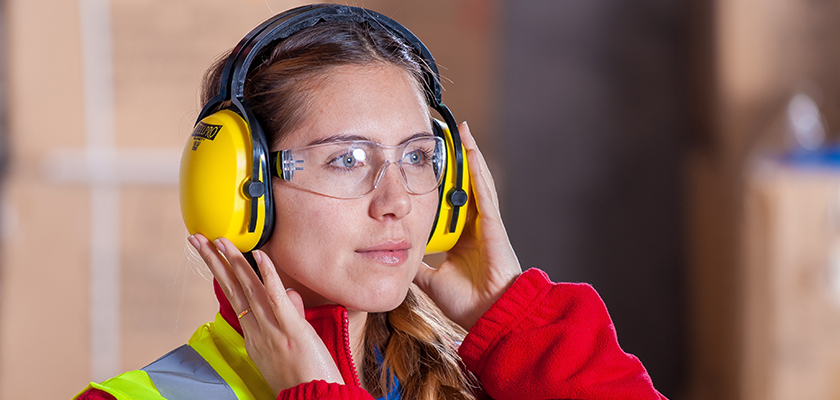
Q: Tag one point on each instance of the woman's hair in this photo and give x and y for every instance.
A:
(414, 343)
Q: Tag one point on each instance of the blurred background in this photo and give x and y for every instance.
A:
(678, 155)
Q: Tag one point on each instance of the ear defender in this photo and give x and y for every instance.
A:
(215, 179)
(225, 184)
(451, 214)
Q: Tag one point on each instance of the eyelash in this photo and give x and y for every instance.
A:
(338, 158)
(427, 156)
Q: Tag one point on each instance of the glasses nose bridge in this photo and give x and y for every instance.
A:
(384, 168)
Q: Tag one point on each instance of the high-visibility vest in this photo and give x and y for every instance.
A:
(212, 365)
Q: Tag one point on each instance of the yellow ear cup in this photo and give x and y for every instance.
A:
(215, 166)
(442, 239)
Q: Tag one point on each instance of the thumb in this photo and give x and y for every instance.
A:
(424, 276)
(296, 300)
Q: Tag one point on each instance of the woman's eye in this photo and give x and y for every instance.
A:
(351, 159)
(415, 157)
(348, 161)
(344, 161)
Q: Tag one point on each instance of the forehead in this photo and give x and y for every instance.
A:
(379, 102)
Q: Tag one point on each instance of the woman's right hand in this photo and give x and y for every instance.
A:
(282, 344)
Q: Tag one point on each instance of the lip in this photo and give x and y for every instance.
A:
(389, 252)
(388, 245)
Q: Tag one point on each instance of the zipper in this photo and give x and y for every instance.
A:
(348, 352)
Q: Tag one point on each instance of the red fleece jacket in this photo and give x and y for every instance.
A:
(540, 340)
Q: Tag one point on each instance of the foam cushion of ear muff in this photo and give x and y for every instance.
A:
(215, 165)
(442, 239)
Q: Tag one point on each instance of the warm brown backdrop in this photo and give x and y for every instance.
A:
(622, 137)
(160, 50)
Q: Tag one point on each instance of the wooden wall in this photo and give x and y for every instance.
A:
(97, 277)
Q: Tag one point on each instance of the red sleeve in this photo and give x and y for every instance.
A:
(95, 394)
(324, 390)
(544, 340)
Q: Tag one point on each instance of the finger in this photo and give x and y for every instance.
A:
(488, 176)
(470, 145)
(222, 272)
(286, 303)
(424, 276)
(487, 202)
(249, 283)
(467, 138)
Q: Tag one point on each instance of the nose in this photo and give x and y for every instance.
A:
(390, 197)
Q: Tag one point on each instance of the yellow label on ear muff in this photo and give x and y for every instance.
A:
(442, 239)
(215, 166)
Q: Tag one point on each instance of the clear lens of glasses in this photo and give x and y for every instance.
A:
(353, 169)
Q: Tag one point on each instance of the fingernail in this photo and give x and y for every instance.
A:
(289, 289)
(194, 242)
(428, 266)
(257, 256)
(219, 245)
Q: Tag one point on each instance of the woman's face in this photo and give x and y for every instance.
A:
(361, 253)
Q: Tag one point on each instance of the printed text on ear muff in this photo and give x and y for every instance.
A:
(203, 132)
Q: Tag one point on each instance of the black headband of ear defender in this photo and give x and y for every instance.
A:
(280, 27)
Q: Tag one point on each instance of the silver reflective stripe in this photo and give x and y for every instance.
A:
(184, 375)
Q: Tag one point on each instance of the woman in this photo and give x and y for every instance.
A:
(344, 307)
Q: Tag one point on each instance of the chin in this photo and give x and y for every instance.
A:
(379, 303)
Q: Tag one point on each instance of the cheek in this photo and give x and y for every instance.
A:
(421, 219)
(304, 220)
(427, 209)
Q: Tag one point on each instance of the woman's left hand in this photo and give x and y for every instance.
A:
(482, 265)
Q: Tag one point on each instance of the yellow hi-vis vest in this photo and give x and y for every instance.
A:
(212, 365)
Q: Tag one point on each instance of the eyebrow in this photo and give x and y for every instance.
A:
(349, 138)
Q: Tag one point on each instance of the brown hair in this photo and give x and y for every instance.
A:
(415, 343)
